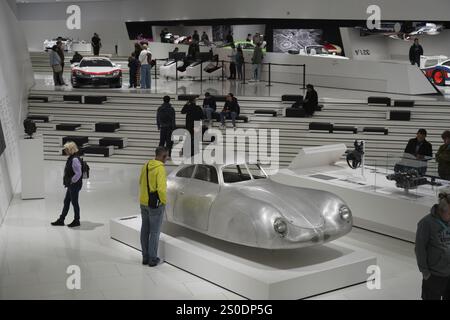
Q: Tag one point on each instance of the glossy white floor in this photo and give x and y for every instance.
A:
(34, 256)
(44, 81)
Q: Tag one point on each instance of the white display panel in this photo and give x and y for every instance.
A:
(32, 168)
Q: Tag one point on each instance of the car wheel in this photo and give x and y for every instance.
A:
(439, 78)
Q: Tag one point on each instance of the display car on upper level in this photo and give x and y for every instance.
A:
(436, 69)
(239, 203)
(96, 71)
(67, 43)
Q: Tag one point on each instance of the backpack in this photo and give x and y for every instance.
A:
(85, 169)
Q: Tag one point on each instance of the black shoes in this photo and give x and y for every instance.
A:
(75, 223)
(58, 222)
(144, 261)
(154, 263)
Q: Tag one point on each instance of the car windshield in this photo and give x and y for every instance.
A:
(235, 173)
(95, 63)
(256, 171)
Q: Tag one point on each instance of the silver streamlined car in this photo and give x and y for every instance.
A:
(239, 203)
(96, 71)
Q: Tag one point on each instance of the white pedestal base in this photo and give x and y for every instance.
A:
(32, 167)
(250, 272)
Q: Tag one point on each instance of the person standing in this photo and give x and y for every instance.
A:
(257, 59)
(196, 36)
(232, 57)
(311, 100)
(209, 107)
(415, 52)
(433, 250)
(193, 113)
(153, 199)
(229, 38)
(249, 38)
(60, 51)
(420, 148)
(133, 65)
(73, 181)
(96, 43)
(145, 57)
(165, 121)
(230, 110)
(55, 63)
(239, 62)
(443, 157)
(257, 38)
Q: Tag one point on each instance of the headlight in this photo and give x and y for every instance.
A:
(116, 73)
(280, 226)
(345, 212)
(78, 73)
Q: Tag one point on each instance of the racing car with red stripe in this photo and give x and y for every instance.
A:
(436, 69)
(96, 71)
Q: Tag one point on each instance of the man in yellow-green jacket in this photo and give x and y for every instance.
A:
(152, 194)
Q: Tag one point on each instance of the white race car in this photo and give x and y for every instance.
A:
(96, 71)
(67, 43)
(319, 51)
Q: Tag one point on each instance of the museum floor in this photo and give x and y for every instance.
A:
(44, 81)
(34, 256)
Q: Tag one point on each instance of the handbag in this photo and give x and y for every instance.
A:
(57, 68)
(153, 197)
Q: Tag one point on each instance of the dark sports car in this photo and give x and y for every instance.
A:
(96, 71)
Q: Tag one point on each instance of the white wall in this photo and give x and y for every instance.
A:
(16, 78)
(364, 48)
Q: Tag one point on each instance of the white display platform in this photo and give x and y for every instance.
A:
(376, 203)
(250, 272)
(32, 167)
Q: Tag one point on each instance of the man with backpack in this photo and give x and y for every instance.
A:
(165, 121)
(145, 58)
(153, 198)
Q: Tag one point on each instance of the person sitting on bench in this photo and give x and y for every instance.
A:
(230, 110)
(311, 100)
(209, 107)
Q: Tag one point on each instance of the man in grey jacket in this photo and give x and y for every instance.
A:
(433, 250)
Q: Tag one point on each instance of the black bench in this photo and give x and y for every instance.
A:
(319, 107)
(321, 126)
(73, 98)
(404, 103)
(242, 118)
(38, 98)
(400, 115)
(80, 141)
(271, 112)
(107, 126)
(94, 99)
(295, 113)
(94, 149)
(187, 97)
(291, 98)
(379, 100)
(345, 128)
(382, 130)
(39, 118)
(115, 142)
(68, 126)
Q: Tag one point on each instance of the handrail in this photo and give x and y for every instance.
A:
(302, 72)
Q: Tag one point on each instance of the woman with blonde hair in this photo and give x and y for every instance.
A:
(73, 182)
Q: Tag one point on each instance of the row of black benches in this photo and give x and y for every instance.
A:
(103, 147)
(329, 127)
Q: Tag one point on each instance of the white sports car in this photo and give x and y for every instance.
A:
(319, 51)
(67, 43)
(96, 71)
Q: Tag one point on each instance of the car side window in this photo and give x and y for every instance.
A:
(256, 171)
(235, 173)
(186, 172)
(446, 63)
(206, 173)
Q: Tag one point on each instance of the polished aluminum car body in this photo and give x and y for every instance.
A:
(239, 203)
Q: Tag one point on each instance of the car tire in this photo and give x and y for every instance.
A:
(438, 78)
